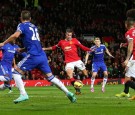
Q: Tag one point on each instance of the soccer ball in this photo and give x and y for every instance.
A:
(78, 84)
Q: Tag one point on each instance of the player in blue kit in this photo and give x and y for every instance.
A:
(8, 51)
(98, 62)
(36, 57)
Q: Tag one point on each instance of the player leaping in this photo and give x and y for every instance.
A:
(69, 46)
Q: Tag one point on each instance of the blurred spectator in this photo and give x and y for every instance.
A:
(110, 71)
(62, 75)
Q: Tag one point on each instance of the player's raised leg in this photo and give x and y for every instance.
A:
(69, 71)
(81, 66)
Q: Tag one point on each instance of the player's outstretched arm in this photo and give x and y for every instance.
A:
(11, 38)
(52, 47)
(129, 51)
(49, 48)
(107, 51)
(84, 48)
(86, 58)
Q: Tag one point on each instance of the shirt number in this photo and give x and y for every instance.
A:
(35, 35)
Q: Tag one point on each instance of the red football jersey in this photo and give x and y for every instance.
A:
(130, 34)
(70, 49)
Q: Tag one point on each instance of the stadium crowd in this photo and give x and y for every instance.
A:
(100, 18)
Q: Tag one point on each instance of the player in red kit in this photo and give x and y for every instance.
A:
(130, 61)
(69, 46)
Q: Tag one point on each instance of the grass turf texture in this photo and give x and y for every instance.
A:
(51, 101)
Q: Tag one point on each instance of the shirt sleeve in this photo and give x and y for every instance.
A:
(82, 46)
(104, 48)
(20, 28)
(56, 46)
(130, 35)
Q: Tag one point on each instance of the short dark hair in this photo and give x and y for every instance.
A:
(131, 14)
(69, 30)
(130, 20)
(25, 15)
(96, 38)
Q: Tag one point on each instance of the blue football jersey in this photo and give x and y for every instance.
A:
(8, 53)
(30, 38)
(98, 54)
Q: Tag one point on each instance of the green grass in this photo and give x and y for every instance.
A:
(51, 101)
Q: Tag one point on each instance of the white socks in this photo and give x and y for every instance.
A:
(92, 82)
(59, 84)
(104, 81)
(19, 83)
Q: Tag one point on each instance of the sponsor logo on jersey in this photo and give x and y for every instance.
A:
(70, 42)
(67, 48)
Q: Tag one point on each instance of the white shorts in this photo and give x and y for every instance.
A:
(79, 64)
(131, 70)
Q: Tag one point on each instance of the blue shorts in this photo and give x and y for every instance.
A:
(35, 61)
(6, 70)
(98, 65)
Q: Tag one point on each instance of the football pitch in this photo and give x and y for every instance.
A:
(51, 101)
